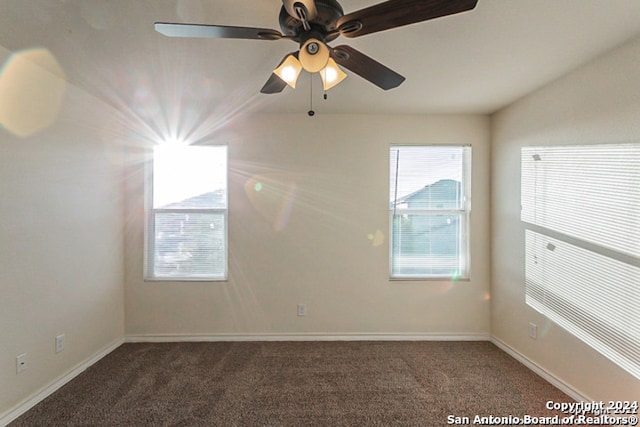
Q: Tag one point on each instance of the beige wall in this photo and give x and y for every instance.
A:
(61, 245)
(305, 238)
(597, 103)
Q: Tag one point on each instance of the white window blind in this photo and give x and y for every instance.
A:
(582, 209)
(187, 214)
(429, 202)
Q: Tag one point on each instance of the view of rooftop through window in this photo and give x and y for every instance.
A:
(421, 167)
(428, 202)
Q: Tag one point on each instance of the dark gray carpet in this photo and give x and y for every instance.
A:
(296, 384)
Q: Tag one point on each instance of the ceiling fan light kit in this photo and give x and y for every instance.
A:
(315, 23)
(291, 68)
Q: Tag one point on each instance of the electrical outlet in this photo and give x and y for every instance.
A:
(59, 343)
(533, 331)
(302, 309)
(21, 362)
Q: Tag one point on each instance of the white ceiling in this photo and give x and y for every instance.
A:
(474, 62)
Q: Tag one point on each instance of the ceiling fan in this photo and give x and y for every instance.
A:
(314, 23)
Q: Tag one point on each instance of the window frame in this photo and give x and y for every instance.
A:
(464, 240)
(149, 226)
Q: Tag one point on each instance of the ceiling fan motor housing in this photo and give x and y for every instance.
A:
(324, 25)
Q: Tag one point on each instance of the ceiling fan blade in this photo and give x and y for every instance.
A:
(275, 84)
(216, 31)
(302, 10)
(396, 13)
(366, 67)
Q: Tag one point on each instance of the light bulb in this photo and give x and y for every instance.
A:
(289, 74)
(289, 70)
(331, 75)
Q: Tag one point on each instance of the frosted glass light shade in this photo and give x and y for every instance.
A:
(331, 75)
(314, 55)
(289, 71)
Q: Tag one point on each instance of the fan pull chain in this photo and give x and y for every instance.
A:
(311, 113)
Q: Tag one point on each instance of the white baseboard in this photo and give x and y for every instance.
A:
(49, 389)
(304, 337)
(546, 375)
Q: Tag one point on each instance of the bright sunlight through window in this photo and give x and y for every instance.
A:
(187, 213)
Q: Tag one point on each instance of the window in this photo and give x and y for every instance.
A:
(581, 208)
(429, 203)
(187, 214)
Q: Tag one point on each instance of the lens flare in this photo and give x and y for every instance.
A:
(32, 88)
(377, 238)
(273, 197)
